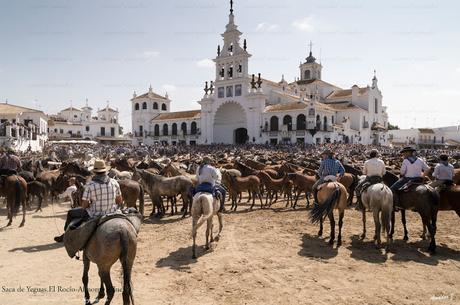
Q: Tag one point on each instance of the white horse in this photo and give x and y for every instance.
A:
(204, 207)
(378, 198)
(114, 173)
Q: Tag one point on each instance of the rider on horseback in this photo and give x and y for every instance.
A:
(10, 164)
(329, 169)
(444, 172)
(374, 169)
(209, 180)
(412, 170)
(101, 196)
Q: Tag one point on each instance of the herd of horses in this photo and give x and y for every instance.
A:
(273, 177)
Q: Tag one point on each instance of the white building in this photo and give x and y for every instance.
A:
(74, 123)
(22, 128)
(426, 137)
(239, 107)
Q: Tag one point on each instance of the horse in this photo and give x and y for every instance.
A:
(120, 175)
(158, 186)
(36, 189)
(273, 186)
(302, 183)
(15, 190)
(203, 209)
(74, 168)
(379, 199)
(237, 185)
(332, 195)
(115, 239)
(131, 191)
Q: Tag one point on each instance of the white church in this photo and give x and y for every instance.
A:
(239, 107)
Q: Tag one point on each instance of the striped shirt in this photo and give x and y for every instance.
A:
(330, 167)
(101, 197)
(10, 162)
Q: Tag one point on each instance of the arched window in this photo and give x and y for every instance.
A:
(307, 74)
(163, 107)
(287, 120)
(183, 127)
(155, 106)
(301, 122)
(193, 128)
(318, 122)
(165, 129)
(274, 123)
(144, 105)
(325, 123)
(174, 129)
(136, 106)
(156, 130)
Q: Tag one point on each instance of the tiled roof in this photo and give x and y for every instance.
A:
(152, 95)
(344, 106)
(71, 109)
(107, 109)
(426, 130)
(12, 109)
(191, 114)
(345, 93)
(296, 106)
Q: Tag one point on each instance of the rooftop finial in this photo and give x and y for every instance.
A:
(311, 47)
(86, 102)
(231, 7)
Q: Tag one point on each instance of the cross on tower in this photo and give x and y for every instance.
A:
(231, 6)
(311, 46)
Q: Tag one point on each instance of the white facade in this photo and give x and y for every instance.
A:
(22, 128)
(426, 137)
(74, 123)
(239, 107)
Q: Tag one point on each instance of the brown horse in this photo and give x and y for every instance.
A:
(332, 195)
(250, 184)
(115, 239)
(272, 186)
(131, 191)
(302, 183)
(15, 190)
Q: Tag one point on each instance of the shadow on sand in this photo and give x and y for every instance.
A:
(38, 248)
(317, 247)
(181, 259)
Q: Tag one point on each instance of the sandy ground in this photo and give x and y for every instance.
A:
(268, 256)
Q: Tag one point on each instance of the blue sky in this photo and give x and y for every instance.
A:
(56, 51)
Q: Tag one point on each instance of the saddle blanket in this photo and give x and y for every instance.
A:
(327, 179)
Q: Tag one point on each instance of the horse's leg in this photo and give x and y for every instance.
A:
(86, 265)
(194, 222)
(320, 232)
(260, 196)
(427, 221)
(40, 200)
(377, 227)
(403, 219)
(208, 232)
(307, 196)
(24, 203)
(363, 236)
(220, 217)
(339, 239)
(9, 206)
(423, 236)
(101, 293)
(392, 225)
(296, 198)
(332, 221)
(105, 277)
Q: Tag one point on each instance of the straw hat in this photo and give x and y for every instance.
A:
(100, 167)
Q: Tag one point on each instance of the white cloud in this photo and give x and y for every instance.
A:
(304, 25)
(205, 63)
(169, 88)
(267, 27)
(149, 55)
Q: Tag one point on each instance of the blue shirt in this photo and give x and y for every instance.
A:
(330, 167)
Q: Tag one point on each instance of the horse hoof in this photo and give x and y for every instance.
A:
(331, 242)
(9, 224)
(363, 236)
(21, 225)
(216, 239)
(320, 233)
(339, 243)
(406, 238)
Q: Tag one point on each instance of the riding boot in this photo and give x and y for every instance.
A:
(59, 239)
(395, 199)
(315, 195)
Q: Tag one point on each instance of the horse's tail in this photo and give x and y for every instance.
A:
(387, 209)
(141, 199)
(202, 199)
(124, 259)
(17, 197)
(434, 196)
(320, 211)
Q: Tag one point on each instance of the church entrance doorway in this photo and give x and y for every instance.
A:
(241, 136)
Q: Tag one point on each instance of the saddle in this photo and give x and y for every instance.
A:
(327, 179)
(368, 182)
(80, 232)
(445, 186)
(411, 185)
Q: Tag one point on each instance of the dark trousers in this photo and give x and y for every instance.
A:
(74, 216)
(223, 192)
(398, 184)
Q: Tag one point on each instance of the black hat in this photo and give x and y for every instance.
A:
(444, 157)
(407, 149)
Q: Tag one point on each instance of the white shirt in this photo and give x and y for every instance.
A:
(208, 174)
(413, 170)
(374, 167)
(444, 172)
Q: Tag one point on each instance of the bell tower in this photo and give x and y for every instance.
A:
(310, 70)
(232, 58)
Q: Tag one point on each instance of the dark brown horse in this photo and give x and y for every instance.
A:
(131, 191)
(15, 190)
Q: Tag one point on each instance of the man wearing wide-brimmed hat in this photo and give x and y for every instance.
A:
(101, 196)
(412, 169)
(329, 170)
